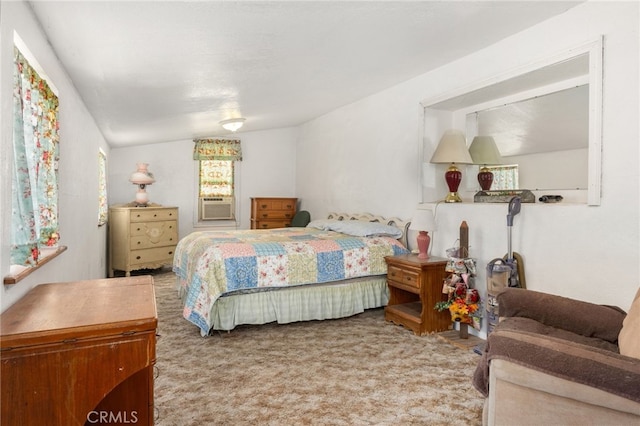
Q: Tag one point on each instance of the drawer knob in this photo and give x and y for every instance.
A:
(138, 257)
(171, 252)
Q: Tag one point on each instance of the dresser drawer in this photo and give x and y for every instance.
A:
(143, 241)
(153, 234)
(152, 256)
(144, 215)
(276, 204)
(403, 276)
(270, 224)
(274, 214)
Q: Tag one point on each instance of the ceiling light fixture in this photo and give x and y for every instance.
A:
(232, 124)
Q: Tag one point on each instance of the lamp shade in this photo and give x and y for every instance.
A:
(452, 148)
(142, 176)
(422, 220)
(232, 124)
(483, 150)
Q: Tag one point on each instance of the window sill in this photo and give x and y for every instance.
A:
(21, 272)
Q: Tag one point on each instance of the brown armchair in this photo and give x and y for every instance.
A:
(555, 360)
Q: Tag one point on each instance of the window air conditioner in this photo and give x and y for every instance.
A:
(217, 208)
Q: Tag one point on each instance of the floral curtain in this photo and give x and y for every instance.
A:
(504, 177)
(103, 208)
(217, 149)
(34, 212)
(216, 178)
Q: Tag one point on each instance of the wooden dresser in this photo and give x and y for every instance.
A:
(74, 353)
(141, 237)
(269, 212)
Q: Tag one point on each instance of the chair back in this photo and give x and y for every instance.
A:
(301, 219)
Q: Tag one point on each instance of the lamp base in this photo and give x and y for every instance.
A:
(485, 179)
(453, 176)
(453, 197)
(423, 241)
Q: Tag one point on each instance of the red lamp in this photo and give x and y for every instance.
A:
(452, 149)
(484, 151)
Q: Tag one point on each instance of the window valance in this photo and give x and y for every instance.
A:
(217, 149)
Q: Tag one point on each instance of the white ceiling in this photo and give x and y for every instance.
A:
(164, 71)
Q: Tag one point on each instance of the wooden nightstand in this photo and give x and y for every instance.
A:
(415, 285)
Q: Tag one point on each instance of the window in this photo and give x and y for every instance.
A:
(216, 178)
(34, 212)
(504, 177)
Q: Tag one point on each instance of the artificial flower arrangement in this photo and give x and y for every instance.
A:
(463, 300)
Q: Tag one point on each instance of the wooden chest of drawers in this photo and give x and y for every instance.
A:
(74, 352)
(269, 213)
(141, 237)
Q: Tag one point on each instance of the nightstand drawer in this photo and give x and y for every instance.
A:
(409, 278)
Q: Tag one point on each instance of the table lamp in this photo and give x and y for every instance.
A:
(452, 149)
(423, 222)
(142, 177)
(484, 152)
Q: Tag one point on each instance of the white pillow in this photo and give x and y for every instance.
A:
(357, 228)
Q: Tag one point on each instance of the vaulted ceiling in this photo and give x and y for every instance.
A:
(164, 71)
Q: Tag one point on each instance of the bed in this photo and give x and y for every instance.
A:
(333, 268)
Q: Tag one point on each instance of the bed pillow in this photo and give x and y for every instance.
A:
(323, 224)
(357, 228)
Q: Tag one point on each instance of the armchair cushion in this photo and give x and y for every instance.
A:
(628, 339)
(574, 361)
(583, 318)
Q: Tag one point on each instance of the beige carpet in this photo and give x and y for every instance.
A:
(355, 371)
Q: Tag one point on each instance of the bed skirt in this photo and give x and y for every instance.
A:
(300, 303)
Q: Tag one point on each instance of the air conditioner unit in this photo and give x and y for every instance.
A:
(217, 208)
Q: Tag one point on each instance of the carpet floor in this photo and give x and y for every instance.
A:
(354, 371)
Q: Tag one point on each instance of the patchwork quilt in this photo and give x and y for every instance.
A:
(210, 264)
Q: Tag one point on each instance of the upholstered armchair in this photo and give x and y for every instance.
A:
(554, 360)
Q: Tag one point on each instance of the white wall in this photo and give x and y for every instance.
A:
(364, 156)
(80, 140)
(267, 169)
